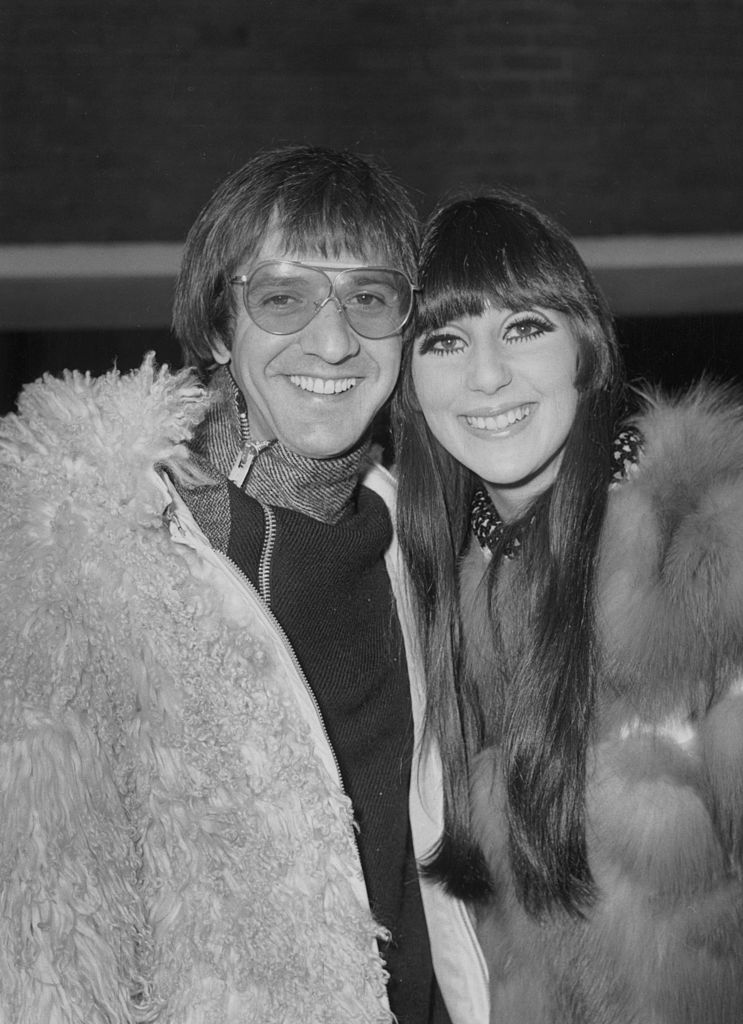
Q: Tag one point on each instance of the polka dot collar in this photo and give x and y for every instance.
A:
(487, 525)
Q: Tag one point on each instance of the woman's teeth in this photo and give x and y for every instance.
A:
(501, 421)
(320, 386)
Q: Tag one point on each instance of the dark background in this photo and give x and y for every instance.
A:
(619, 117)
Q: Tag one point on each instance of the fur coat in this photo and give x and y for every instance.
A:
(172, 849)
(664, 942)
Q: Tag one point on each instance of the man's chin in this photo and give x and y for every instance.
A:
(328, 438)
(323, 448)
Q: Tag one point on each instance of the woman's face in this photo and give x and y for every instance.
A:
(498, 392)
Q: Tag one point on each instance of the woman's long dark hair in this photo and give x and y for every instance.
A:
(497, 250)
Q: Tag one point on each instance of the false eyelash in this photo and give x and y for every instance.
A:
(427, 345)
(537, 319)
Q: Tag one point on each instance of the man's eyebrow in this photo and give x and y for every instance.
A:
(373, 273)
(275, 276)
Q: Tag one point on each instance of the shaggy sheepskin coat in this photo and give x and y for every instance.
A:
(664, 942)
(175, 845)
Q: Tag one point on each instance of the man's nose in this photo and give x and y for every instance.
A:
(329, 335)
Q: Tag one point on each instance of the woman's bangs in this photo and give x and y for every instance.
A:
(476, 284)
(444, 306)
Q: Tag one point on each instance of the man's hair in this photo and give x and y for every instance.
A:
(497, 250)
(321, 201)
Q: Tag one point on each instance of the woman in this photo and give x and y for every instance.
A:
(578, 584)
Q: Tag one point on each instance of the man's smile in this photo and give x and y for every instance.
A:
(323, 385)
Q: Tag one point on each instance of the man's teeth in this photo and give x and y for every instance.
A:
(323, 387)
(501, 421)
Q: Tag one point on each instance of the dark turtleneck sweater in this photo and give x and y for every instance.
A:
(327, 585)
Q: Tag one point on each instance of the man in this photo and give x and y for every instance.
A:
(208, 736)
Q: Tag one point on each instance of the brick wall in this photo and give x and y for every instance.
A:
(619, 116)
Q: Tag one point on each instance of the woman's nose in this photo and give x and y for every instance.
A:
(489, 369)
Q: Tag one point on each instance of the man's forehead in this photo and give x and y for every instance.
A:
(275, 247)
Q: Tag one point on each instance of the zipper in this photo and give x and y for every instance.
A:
(264, 566)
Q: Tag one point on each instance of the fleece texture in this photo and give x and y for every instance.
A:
(664, 942)
(172, 848)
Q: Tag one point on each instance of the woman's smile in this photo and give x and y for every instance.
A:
(498, 422)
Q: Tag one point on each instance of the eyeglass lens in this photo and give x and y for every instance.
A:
(284, 297)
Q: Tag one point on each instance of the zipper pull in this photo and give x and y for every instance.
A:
(171, 520)
(241, 467)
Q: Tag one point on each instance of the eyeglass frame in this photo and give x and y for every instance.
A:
(244, 279)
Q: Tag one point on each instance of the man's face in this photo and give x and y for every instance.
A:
(318, 389)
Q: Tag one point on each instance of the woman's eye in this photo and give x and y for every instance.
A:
(442, 344)
(526, 328)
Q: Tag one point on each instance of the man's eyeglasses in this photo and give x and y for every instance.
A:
(283, 296)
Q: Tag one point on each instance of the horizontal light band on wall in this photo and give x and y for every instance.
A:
(130, 285)
(126, 285)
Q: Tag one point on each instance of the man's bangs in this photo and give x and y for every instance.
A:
(335, 233)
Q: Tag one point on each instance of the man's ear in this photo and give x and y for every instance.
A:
(220, 351)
